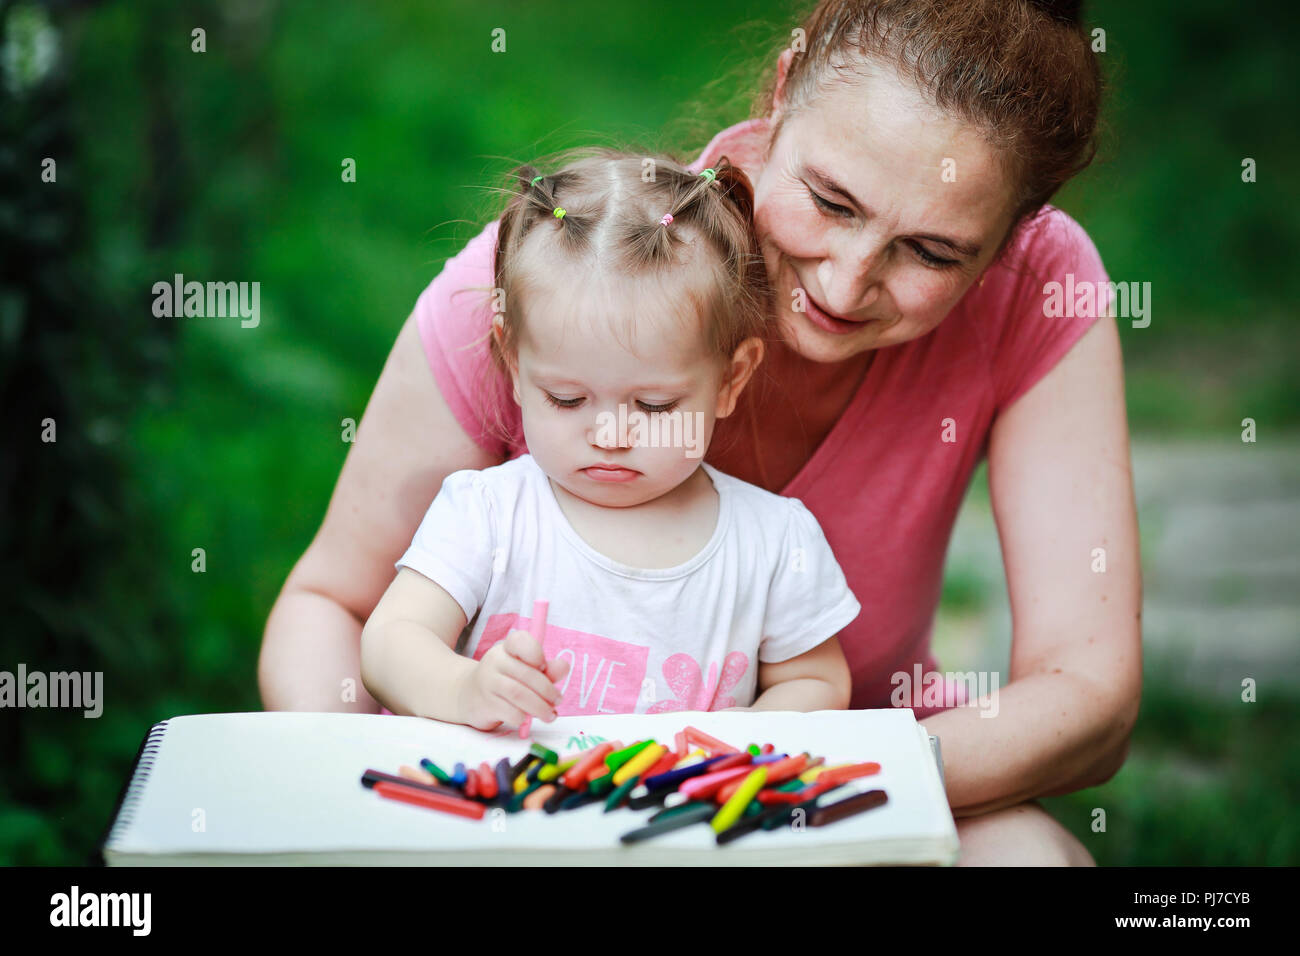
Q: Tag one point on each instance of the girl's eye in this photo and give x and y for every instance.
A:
(826, 206)
(666, 407)
(935, 262)
(562, 402)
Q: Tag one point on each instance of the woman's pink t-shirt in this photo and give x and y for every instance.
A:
(884, 484)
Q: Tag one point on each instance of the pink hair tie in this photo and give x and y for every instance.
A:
(668, 217)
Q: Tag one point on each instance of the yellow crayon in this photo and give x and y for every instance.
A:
(553, 770)
(733, 808)
(521, 783)
(642, 762)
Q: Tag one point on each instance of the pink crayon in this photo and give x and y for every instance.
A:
(539, 633)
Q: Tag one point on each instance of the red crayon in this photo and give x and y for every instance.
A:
(431, 801)
(487, 781)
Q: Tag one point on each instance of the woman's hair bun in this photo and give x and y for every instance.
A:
(1069, 10)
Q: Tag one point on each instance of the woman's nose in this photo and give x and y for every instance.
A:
(850, 279)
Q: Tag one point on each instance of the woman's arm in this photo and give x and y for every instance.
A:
(1061, 485)
(408, 441)
(818, 679)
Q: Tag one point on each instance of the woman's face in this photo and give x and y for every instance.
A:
(875, 212)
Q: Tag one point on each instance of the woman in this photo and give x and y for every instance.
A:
(902, 165)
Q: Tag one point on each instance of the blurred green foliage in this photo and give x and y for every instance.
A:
(226, 165)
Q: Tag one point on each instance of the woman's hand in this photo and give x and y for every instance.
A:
(512, 682)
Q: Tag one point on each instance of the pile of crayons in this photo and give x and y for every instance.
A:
(735, 791)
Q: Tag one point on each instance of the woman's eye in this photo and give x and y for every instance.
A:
(666, 407)
(929, 258)
(563, 402)
(829, 207)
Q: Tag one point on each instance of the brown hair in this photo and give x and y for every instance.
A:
(1022, 71)
(612, 219)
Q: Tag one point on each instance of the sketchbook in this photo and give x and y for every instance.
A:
(285, 789)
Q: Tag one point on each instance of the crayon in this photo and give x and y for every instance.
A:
(688, 817)
(851, 772)
(579, 800)
(442, 775)
(549, 771)
(751, 823)
(552, 804)
(768, 748)
(419, 776)
(371, 777)
(505, 787)
(669, 812)
(779, 772)
(712, 744)
(769, 757)
(675, 776)
(731, 810)
(640, 763)
(857, 803)
(534, 799)
(471, 784)
(521, 765)
(545, 753)
(703, 788)
(516, 801)
(431, 801)
(754, 750)
(642, 797)
(539, 634)
(458, 775)
(619, 793)
(522, 783)
(577, 774)
(619, 757)
(488, 785)
(733, 760)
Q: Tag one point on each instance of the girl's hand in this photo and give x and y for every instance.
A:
(513, 681)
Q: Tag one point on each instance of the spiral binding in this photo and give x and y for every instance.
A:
(135, 789)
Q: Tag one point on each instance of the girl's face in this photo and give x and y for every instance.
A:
(875, 212)
(584, 393)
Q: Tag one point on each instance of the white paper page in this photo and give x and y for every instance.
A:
(290, 782)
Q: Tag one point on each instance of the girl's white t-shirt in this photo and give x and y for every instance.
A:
(765, 587)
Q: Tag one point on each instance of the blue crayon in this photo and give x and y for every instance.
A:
(458, 775)
(768, 758)
(670, 778)
(505, 783)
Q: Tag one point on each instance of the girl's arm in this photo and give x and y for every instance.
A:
(407, 443)
(1061, 485)
(408, 657)
(818, 679)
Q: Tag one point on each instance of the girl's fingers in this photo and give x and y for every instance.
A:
(526, 688)
(534, 680)
(524, 647)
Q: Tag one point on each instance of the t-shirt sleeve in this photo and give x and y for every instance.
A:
(809, 600)
(454, 318)
(1061, 291)
(455, 544)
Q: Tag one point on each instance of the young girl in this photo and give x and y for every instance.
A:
(630, 308)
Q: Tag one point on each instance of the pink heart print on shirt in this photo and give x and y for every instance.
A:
(684, 678)
(604, 675)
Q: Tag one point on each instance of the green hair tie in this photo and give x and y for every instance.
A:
(709, 174)
(535, 178)
(559, 213)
